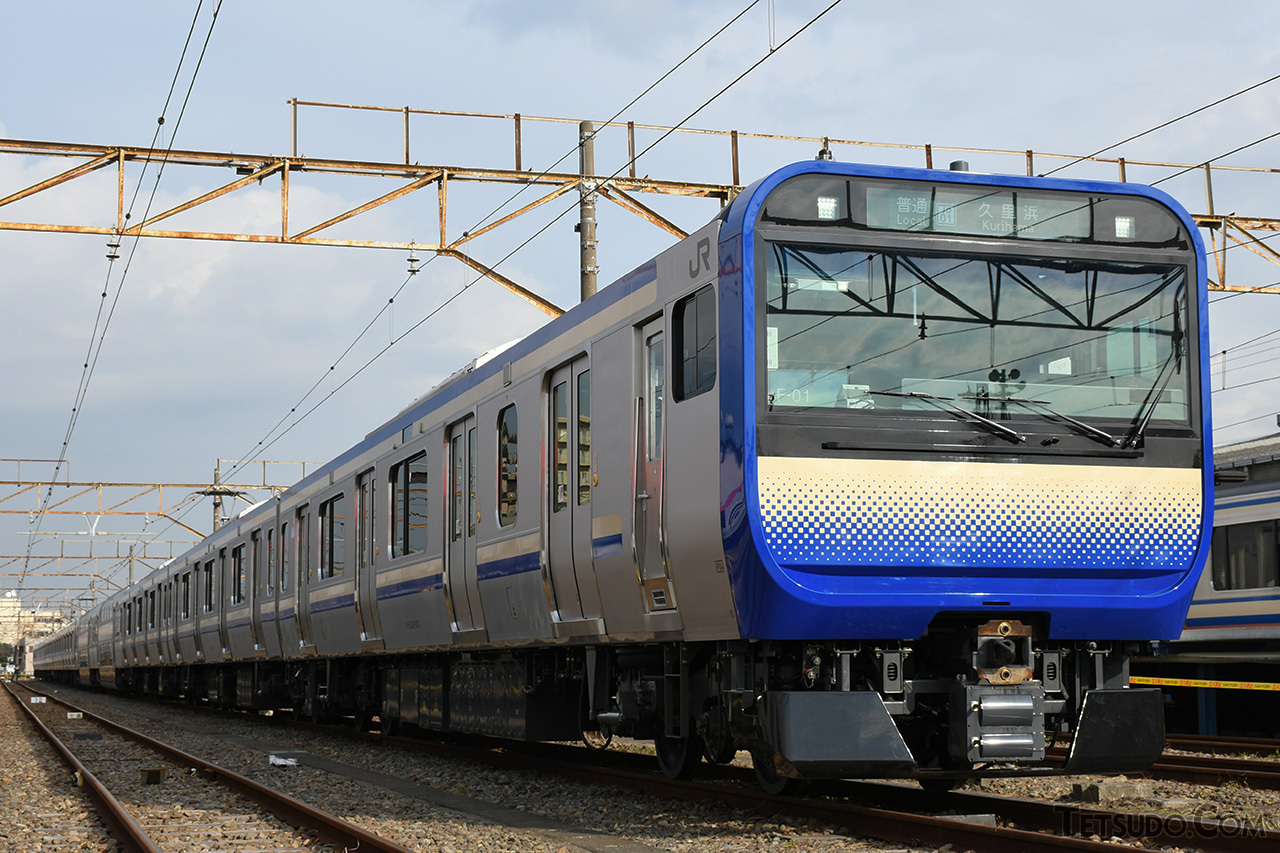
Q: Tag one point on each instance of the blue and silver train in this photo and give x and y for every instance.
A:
(883, 472)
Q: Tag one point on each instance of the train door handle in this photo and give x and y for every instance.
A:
(642, 497)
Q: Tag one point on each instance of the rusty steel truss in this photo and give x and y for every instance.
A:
(234, 172)
(100, 556)
(622, 188)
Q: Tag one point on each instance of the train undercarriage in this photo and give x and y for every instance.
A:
(965, 699)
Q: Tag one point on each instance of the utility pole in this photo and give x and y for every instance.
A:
(218, 492)
(587, 207)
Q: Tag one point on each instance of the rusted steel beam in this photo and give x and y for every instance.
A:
(554, 194)
(528, 295)
(71, 174)
(377, 202)
(626, 202)
(257, 175)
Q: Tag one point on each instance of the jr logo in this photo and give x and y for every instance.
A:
(701, 259)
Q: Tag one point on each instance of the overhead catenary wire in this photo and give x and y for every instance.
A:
(101, 323)
(269, 441)
(263, 443)
(1163, 125)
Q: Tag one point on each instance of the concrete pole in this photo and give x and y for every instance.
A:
(587, 208)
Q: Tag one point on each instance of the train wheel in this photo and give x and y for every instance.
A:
(767, 776)
(678, 756)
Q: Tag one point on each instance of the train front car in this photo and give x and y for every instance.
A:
(965, 468)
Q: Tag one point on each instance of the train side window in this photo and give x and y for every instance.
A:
(583, 460)
(333, 537)
(237, 574)
(271, 560)
(694, 330)
(560, 426)
(455, 472)
(1245, 556)
(303, 534)
(472, 515)
(185, 610)
(284, 556)
(366, 520)
(508, 459)
(208, 587)
(257, 579)
(409, 506)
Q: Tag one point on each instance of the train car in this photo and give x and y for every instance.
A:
(1231, 640)
(882, 472)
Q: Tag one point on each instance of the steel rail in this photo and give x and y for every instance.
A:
(1202, 770)
(122, 826)
(883, 819)
(1222, 744)
(615, 768)
(296, 813)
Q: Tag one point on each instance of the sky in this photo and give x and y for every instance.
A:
(211, 344)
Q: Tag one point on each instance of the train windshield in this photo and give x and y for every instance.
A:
(1005, 337)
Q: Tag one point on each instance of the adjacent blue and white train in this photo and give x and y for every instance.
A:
(883, 472)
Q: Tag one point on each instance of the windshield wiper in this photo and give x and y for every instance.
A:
(952, 406)
(1149, 403)
(1091, 431)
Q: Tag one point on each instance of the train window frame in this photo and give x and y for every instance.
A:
(508, 428)
(560, 449)
(1257, 570)
(271, 562)
(210, 586)
(473, 474)
(257, 576)
(238, 574)
(366, 520)
(184, 586)
(694, 318)
(333, 537)
(285, 565)
(410, 480)
(302, 541)
(582, 459)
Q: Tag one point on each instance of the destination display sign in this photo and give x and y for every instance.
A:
(978, 211)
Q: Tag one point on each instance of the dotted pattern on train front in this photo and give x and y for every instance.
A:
(878, 513)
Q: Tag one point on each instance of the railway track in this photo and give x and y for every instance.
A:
(1224, 745)
(891, 812)
(204, 807)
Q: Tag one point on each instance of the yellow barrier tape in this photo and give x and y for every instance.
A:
(1194, 682)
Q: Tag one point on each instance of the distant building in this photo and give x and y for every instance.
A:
(17, 621)
(1248, 461)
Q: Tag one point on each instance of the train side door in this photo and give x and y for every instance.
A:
(461, 585)
(650, 502)
(569, 516)
(366, 557)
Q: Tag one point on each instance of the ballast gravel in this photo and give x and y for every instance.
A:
(552, 815)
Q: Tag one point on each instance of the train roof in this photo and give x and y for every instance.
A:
(1250, 452)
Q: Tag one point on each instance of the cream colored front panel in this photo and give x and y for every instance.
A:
(911, 513)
